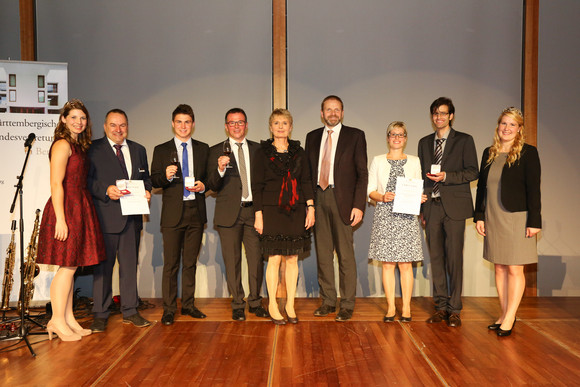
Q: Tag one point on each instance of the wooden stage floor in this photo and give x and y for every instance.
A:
(544, 349)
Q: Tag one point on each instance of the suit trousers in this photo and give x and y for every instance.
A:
(445, 238)
(331, 233)
(125, 248)
(231, 239)
(181, 244)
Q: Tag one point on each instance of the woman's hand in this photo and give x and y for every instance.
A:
(480, 227)
(531, 231)
(309, 217)
(388, 197)
(423, 198)
(60, 231)
(259, 222)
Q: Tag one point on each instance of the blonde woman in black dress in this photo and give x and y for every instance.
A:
(507, 212)
(284, 204)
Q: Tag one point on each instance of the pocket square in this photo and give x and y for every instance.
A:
(141, 170)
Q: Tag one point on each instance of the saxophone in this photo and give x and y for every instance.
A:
(8, 271)
(31, 269)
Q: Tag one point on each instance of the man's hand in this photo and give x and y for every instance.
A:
(170, 171)
(197, 187)
(223, 162)
(436, 176)
(356, 216)
(114, 193)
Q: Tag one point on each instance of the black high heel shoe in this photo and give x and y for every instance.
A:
(493, 327)
(504, 333)
(389, 318)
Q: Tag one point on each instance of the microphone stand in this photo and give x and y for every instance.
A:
(23, 330)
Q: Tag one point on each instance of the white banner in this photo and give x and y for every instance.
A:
(31, 96)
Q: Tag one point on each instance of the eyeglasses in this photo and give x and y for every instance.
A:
(440, 114)
(234, 123)
(397, 135)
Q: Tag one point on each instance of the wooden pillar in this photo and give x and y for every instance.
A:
(27, 30)
(279, 87)
(279, 76)
(530, 103)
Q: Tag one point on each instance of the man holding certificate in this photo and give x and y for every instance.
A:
(117, 165)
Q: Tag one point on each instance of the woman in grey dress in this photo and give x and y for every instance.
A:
(507, 212)
(395, 237)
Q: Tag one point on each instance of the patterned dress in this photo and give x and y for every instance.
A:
(84, 245)
(395, 237)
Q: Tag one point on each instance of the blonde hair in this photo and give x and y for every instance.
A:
(396, 124)
(280, 112)
(516, 149)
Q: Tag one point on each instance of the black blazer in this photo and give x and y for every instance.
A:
(105, 170)
(229, 187)
(350, 168)
(460, 165)
(172, 208)
(520, 186)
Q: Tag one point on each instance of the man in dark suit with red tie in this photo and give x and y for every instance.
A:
(179, 168)
(337, 155)
(229, 176)
(114, 158)
(453, 157)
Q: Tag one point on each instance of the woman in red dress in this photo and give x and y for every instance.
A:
(70, 234)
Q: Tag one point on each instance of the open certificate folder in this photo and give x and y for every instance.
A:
(408, 196)
(134, 203)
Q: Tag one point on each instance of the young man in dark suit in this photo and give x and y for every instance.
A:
(179, 168)
(337, 155)
(229, 176)
(453, 157)
(113, 158)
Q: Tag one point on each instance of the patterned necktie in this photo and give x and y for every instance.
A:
(121, 160)
(325, 165)
(438, 157)
(242, 168)
(185, 167)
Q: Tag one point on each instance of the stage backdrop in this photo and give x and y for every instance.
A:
(31, 95)
(388, 60)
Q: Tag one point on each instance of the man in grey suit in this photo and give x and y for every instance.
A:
(337, 155)
(113, 158)
(234, 213)
(179, 168)
(449, 164)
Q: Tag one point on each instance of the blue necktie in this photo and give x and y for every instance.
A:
(185, 168)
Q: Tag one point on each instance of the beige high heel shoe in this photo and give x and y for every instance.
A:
(82, 332)
(51, 329)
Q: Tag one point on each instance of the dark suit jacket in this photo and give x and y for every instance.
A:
(104, 171)
(172, 208)
(229, 187)
(460, 165)
(520, 186)
(350, 168)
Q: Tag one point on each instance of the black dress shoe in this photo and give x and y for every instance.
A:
(278, 322)
(493, 327)
(454, 320)
(405, 319)
(291, 320)
(193, 312)
(389, 318)
(324, 310)
(259, 311)
(503, 333)
(344, 315)
(238, 315)
(168, 318)
(438, 316)
(99, 325)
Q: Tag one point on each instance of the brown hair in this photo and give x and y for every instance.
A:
(62, 132)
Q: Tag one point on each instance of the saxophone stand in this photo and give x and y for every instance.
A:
(23, 331)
